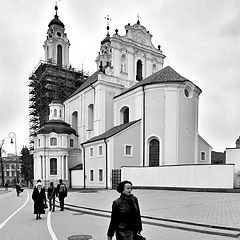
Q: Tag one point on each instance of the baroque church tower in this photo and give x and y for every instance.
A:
(57, 45)
(131, 57)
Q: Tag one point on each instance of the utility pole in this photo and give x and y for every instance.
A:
(1, 144)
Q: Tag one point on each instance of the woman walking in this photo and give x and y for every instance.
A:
(125, 219)
(39, 199)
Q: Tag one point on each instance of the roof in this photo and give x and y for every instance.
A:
(111, 132)
(57, 126)
(106, 39)
(56, 21)
(56, 101)
(89, 81)
(165, 75)
(77, 167)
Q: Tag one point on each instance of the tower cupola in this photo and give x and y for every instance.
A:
(57, 44)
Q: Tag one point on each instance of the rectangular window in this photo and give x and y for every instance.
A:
(91, 176)
(128, 150)
(203, 156)
(13, 173)
(100, 175)
(39, 141)
(91, 151)
(53, 166)
(71, 142)
(53, 141)
(100, 150)
(7, 174)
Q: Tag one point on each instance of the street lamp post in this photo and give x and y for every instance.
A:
(12, 135)
(1, 144)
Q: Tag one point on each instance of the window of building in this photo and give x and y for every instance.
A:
(13, 173)
(124, 63)
(139, 70)
(91, 175)
(100, 150)
(7, 166)
(100, 175)
(91, 152)
(55, 112)
(128, 150)
(53, 166)
(71, 142)
(154, 153)
(39, 142)
(53, 141)
(7, 173)
(203, 156)
(124, 115)
(59, 55)
(75, 120)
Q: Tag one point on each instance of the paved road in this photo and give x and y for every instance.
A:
(217, 208)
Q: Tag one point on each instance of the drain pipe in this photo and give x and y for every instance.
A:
(106, 164)
(143, 126)
(84, 169)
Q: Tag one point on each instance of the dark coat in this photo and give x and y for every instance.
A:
(51, 192)
(39, 199)
(125, 215)
(61, 194)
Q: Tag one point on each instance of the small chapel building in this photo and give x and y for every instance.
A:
(131, 112)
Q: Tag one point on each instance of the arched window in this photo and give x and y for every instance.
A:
(124, 63)
(75, 120)
(154, 68)
(124, 115)
(53, 141)
(139, 70)
(53, 166)
(153, 153)
(59, 55)
(90, 117)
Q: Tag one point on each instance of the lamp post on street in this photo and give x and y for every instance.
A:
(1, 144)
(12, 135)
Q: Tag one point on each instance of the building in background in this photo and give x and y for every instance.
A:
(11, 170)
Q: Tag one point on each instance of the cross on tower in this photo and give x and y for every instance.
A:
(108, 20)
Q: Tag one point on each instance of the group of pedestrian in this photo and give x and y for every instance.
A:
(40, 200)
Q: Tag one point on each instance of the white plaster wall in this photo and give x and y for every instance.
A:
(204, 147)
(233, 157)
(188, 176)
(77, 178)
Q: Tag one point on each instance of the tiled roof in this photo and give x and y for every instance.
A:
(165, 75)
(90, 80)
(111, 132)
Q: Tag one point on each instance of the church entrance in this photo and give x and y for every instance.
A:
(153, 153)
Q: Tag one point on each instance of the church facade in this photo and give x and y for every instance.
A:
(131, 112)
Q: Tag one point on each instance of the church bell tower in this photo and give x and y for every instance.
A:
(57, 45)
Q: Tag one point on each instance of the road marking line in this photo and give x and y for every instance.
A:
(52, 234)
(4, 223)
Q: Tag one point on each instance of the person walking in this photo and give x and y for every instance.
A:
(39, 199)
(125, 218)
(61, 193)
(6, 186)
(51, 197)
(18, 188)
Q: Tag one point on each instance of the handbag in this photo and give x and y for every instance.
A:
(138, 236)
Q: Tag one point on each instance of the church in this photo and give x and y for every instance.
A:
(133, 111)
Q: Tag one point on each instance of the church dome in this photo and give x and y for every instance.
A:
(106, 39)
(57, 126)
(56, 21)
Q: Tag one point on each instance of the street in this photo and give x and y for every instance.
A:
(17, 220)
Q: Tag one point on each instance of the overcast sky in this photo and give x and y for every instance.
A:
(200, 38)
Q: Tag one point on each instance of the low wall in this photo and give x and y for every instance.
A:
(181, 176)
(77, 178)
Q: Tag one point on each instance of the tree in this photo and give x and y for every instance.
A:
(26, 164)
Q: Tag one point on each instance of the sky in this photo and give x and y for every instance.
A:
(201, 41)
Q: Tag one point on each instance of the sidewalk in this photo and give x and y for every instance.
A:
(174, 208)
